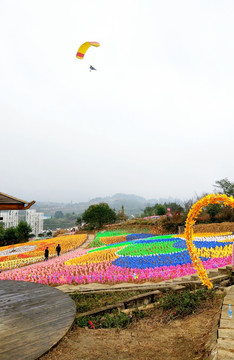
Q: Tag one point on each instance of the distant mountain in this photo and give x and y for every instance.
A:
(133, 204)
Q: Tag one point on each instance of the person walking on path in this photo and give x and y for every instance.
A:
(46, 254)
(58, 249)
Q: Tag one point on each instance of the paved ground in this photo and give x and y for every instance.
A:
(33, 318)
(225, 344)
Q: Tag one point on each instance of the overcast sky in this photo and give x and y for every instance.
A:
(155, 119)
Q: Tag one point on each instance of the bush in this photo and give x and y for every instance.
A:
(185, 302)
(16, 235)
(114, 320)
(107, 321)
(9, 236)
(22, 231)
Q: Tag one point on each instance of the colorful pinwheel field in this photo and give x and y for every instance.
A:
(122, 257)
(16, 256)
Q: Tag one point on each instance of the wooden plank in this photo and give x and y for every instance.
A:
(33, 318)
(11, 206)
(8, 199)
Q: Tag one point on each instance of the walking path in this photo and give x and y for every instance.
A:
(33, 318)
(90, 238)
(225, 342)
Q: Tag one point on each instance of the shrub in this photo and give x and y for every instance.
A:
(114, 320)
(107, 321)
(185, 302)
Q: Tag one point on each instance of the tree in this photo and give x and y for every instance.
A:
(174, 207)
(157, 209)
(213, 210)
(121, 216)
(226, 186)
(58, 214)
(79, 221)
(9, 236)
(98, 215)
(160, 209)
(188, 204)
(23, 231)
(2, 231)
(148, 211)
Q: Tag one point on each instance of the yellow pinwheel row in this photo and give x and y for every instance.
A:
(208, 234)
(217, 252)
(67, 243)
(95, 257)
(113, 239)
(12, 264)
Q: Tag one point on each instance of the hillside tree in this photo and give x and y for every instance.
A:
(226, 186)
(2, 231)
(9, 236)
(121, 216)
(23, 231)
(98, 215)
(58, 214)
(213, 210)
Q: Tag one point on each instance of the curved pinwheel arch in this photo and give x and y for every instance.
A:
(191, 220)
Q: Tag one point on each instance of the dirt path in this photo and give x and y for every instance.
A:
(149, 339)
(90, 238)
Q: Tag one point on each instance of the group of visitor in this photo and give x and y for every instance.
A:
(46, 254)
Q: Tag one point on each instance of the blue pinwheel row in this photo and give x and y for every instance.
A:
(153, 261)
(138, 236)
(181, 244)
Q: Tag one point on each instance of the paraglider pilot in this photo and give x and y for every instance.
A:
(91, 68)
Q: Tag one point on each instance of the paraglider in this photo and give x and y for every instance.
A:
(82, 51)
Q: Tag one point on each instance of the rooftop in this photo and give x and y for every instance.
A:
(8, 202)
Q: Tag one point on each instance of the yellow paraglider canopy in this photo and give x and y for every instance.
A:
(84, 47)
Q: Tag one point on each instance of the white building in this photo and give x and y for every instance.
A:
(35, 220)
(10, 218)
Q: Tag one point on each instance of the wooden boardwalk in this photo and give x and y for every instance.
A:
(33, 318)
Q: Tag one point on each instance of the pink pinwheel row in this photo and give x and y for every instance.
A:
(54, 272)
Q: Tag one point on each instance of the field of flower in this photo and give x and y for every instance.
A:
(135, 258)
(15, 256)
